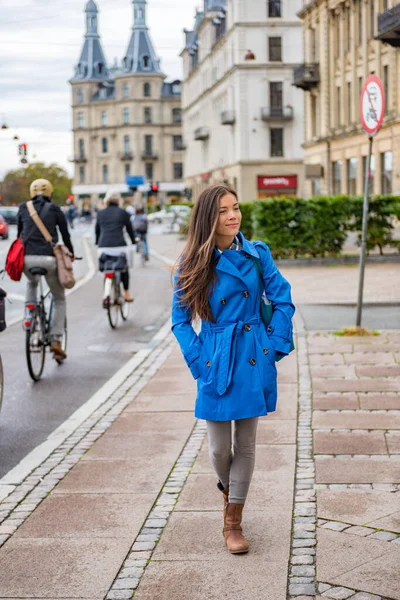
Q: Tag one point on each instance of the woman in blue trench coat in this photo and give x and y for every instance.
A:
(233, 357)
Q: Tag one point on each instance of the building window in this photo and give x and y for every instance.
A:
(177, 142)
(351, 167)
(178, 171)
(125, 116)
(176, 115)
(79, 96)
(371, 178)
(338, 106)
(176, 88)
(125, 90)
(316, 187)
(276, 143)
(104, 118)
(360, 86)
(348, 36)
(105, 173)
(81, 148)
(313, 116)
(360, 21)
(127, 169)
(314, 45)
(81, 174)
(104, 145)
(103, 93)
(146, 90)
(146, 62)
(372, 17)
(276, 98)
(100, 68)
(274, 8)
(148, 145)
(337, 35)
(149, 171)
(80, 120)
(127, 144)
(349, 103)
(336, 177)
(148, 115)
(386, 173)
(386, 83)
(275, 49)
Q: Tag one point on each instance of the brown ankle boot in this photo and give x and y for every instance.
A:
(225, 493)
(234, 538)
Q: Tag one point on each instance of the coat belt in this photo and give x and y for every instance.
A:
(229, 340)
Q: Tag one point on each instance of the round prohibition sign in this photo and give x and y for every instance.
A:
(372, 105)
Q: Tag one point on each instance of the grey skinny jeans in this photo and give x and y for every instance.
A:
(60, 307)
(233, 460)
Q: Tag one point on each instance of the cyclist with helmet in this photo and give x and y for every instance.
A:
(39, 253)
(112, 222)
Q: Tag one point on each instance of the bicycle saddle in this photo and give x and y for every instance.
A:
(38, 271)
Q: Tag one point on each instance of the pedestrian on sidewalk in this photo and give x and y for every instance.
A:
(218, 279)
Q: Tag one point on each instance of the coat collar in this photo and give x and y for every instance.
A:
(223, 264)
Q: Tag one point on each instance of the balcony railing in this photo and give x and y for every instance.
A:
(149, 155)
(126, 155)
(228, 117)
(389, 26)
(277, 113)
(306, 76)
(202, 133)
(81, 158)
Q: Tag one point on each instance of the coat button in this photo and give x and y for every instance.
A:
(246, 294)
(208, 363)
(265, 350)
(247, 328)
(223, 301)
(252, 361)
(269, 329)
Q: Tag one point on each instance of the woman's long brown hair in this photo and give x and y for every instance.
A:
(195, 270)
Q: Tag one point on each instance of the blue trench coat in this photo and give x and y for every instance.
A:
(233, 359)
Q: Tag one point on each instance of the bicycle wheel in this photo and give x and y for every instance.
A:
(113, 307)
(143, 254)
(35, 347)
(1, 382)
(124, 306)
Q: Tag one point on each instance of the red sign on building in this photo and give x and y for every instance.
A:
(277, 182)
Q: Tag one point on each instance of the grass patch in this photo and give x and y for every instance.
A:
(359, 331)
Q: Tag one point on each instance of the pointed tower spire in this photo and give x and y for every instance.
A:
(140, 56)
(92, 63)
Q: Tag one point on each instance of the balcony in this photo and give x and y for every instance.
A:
(202, 133)
(389, 26)
(306, 76)
(277, 113)
(126, 155)
(149, 155)
(228, 117)
(81, 158)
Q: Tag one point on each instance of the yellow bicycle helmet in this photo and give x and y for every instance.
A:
(41, 187)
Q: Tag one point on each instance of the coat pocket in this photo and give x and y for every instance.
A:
(206, 359)
(266, 346)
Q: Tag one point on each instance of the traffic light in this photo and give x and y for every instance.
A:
(154, 188)
(22, 150)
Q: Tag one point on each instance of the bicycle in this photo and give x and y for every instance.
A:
(37, 325)
(141, 249)
(113, 295)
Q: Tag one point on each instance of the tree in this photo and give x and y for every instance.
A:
(15, 186)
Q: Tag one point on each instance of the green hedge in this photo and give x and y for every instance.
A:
(318, 227)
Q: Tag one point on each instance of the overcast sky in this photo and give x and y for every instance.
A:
(40, 43)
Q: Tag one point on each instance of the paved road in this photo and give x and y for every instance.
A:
(32, 411)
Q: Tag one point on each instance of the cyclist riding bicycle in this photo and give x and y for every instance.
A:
(140, 226)
(39, 253)
(111, 223)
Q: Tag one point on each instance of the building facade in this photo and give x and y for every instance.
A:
(127, 119)
(344, 42)
(243, 119)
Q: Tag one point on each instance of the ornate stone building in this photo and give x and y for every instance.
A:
(243, 119)
(126, 118)
(344, 42)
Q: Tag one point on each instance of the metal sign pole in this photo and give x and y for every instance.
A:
(364, 237)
